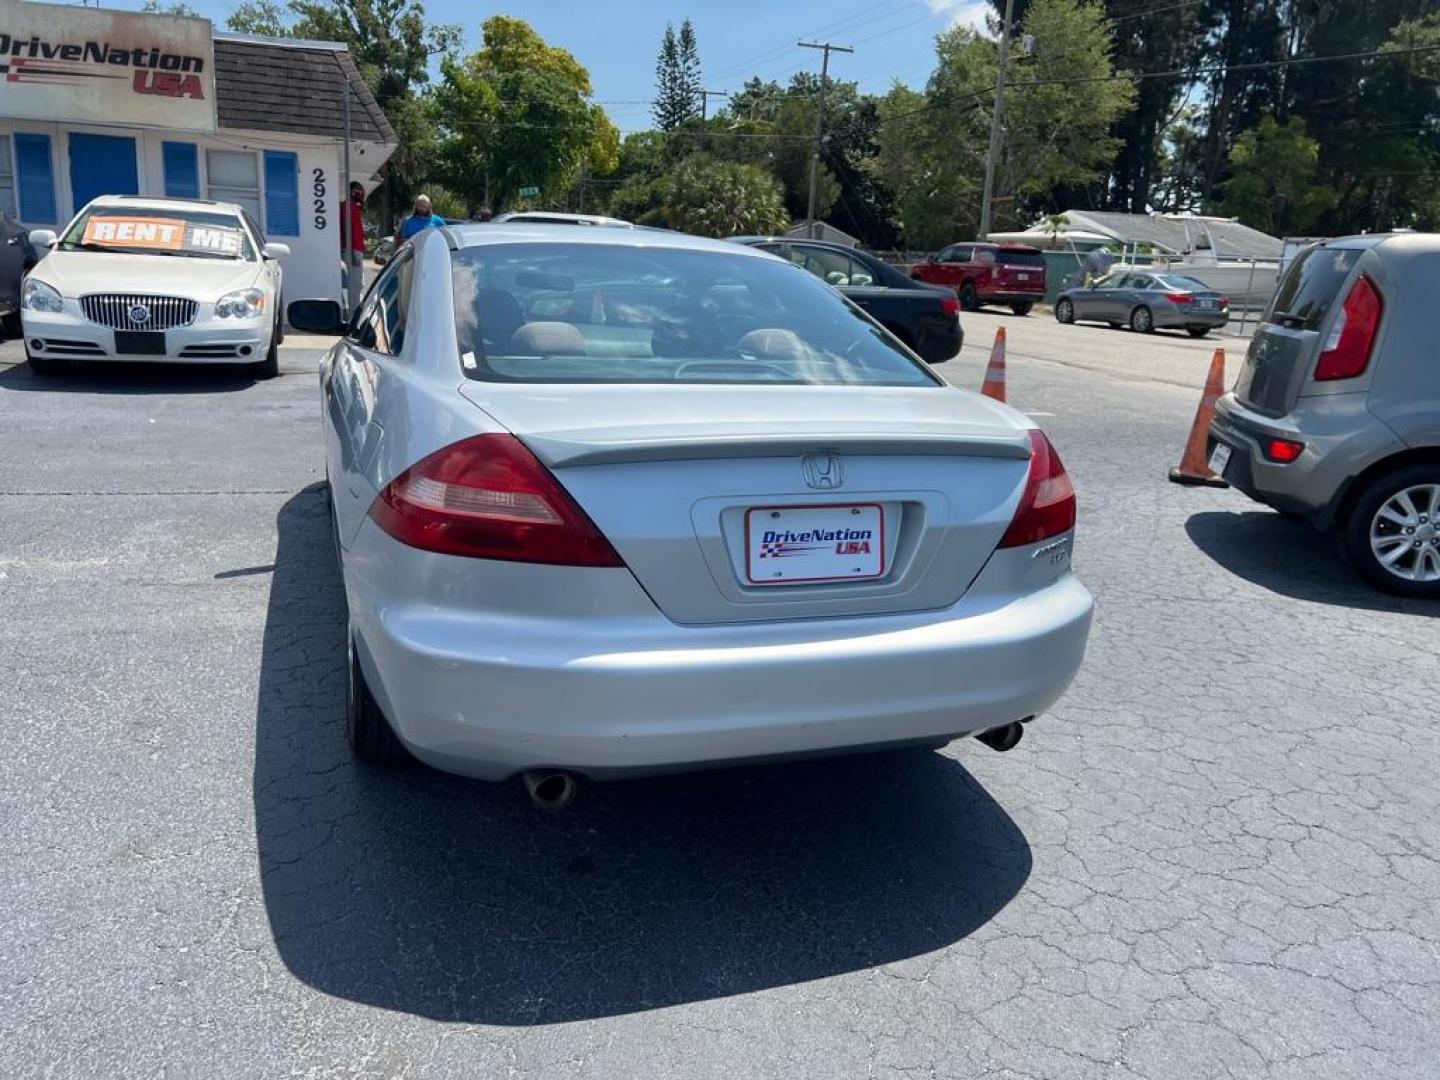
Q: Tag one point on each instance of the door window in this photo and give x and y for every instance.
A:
(956, 254)
(831, 267)
(380, 323)
(1136, 281)
(234, 176)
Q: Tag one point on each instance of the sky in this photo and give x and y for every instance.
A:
(618, 39)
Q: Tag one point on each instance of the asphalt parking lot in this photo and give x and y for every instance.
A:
(1217, 857)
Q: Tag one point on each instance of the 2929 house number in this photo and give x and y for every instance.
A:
(320, 204)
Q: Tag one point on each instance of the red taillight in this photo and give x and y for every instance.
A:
(950, 305)
(1283, 450)
(1224, 301)
(1347, 349)
(487, 497)
(1181, 298)
(1047, 508)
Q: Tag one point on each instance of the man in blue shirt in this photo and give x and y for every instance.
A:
(422, 218)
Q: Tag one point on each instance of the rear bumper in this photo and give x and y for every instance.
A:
(1341, 440)
(1173, 318)
(938, 346)
(490, 693)
(1013, 296)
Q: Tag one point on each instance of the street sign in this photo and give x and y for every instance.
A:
(528, 192)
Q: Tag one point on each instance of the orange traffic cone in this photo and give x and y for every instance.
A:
(994, 385)
(1194, 469)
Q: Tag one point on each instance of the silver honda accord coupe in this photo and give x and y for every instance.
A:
(614, 502)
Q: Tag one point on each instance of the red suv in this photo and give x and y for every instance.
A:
(1011, 274)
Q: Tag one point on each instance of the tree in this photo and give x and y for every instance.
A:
(932, 147)
(1273, 183)
(264, 17)
(517, 114)
(677, 79)
(721, 198)
(177, 8)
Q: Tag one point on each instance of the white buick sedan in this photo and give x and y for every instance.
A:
(618, 501)
(134, 278)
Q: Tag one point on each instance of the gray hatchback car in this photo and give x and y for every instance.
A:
(1336, 414)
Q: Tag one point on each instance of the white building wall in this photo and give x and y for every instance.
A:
(313, 268)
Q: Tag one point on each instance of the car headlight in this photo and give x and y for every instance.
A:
(37, 296)
(242, 304)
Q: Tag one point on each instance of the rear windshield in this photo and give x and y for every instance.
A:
(1311, 285)
(1180, 281)
(559, 312)
(1006, 257)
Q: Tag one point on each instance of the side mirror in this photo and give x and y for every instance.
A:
(315, 316)
(43, 237)
(276, 251)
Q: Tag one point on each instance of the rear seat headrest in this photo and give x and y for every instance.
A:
(548, 339)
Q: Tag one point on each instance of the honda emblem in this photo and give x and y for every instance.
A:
(822, 471)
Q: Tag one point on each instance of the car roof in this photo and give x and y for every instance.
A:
(559, 217)
(158, 203)
(480, 234)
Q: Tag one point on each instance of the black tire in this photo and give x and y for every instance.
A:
(366, 729)
(1197, 331)
(1023, 308)
(270, 366)
(1142, 321)
(1355, 530)
(969, 298)
(1064, 311)
(44, 366)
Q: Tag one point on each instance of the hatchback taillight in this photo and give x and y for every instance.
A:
(1347, 349)
(1047, 507)
(488, 497)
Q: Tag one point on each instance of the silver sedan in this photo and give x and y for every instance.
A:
(1146, 302)
(614, 501)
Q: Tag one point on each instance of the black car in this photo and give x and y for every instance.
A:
(16, 259)
(924, 317)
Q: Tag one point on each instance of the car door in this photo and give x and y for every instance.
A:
(351, 380)
(1092, 302)
(1135, 290)
(954, 262)
(13, 251)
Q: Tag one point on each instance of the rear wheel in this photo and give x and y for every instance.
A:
(1197, 331)
(1391, 536)
(369, 733)
(1064, 311)
(1023, 307)
(1141, 321)
(969, 298)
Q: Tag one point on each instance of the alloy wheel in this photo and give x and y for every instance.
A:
(1404, 537)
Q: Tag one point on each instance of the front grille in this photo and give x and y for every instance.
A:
(115, 310)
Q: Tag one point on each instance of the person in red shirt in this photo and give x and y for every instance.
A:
(352, 256)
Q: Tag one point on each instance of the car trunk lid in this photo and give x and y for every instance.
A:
(727, 503)
(1282, 353)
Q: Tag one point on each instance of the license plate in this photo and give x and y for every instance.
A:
(1219, 458)
(790, 544)
(140, 342)
(1205, 305)
(1022, 277)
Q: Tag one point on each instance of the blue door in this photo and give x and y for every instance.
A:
(101, 165)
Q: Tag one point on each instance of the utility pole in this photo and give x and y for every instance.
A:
(827, 49)
(705, 96)
(995, 120)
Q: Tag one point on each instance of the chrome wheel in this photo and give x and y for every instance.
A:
(1064, 312)
(1403, 535)
(1141, 321)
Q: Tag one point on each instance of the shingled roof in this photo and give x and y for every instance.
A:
(268, 84)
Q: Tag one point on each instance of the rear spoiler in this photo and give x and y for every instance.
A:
(563, 449)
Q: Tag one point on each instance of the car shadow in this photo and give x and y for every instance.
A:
(116, 377)
(1289, 557)
(455, 900)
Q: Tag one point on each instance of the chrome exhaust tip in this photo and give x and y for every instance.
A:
(550, 790)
